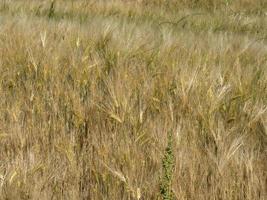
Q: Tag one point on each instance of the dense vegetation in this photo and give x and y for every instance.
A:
(134, 99)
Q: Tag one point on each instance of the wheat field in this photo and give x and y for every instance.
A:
(133, 99)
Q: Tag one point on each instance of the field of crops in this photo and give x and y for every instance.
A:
(133, 99)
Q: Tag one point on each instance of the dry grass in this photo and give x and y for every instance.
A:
(90, 89)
